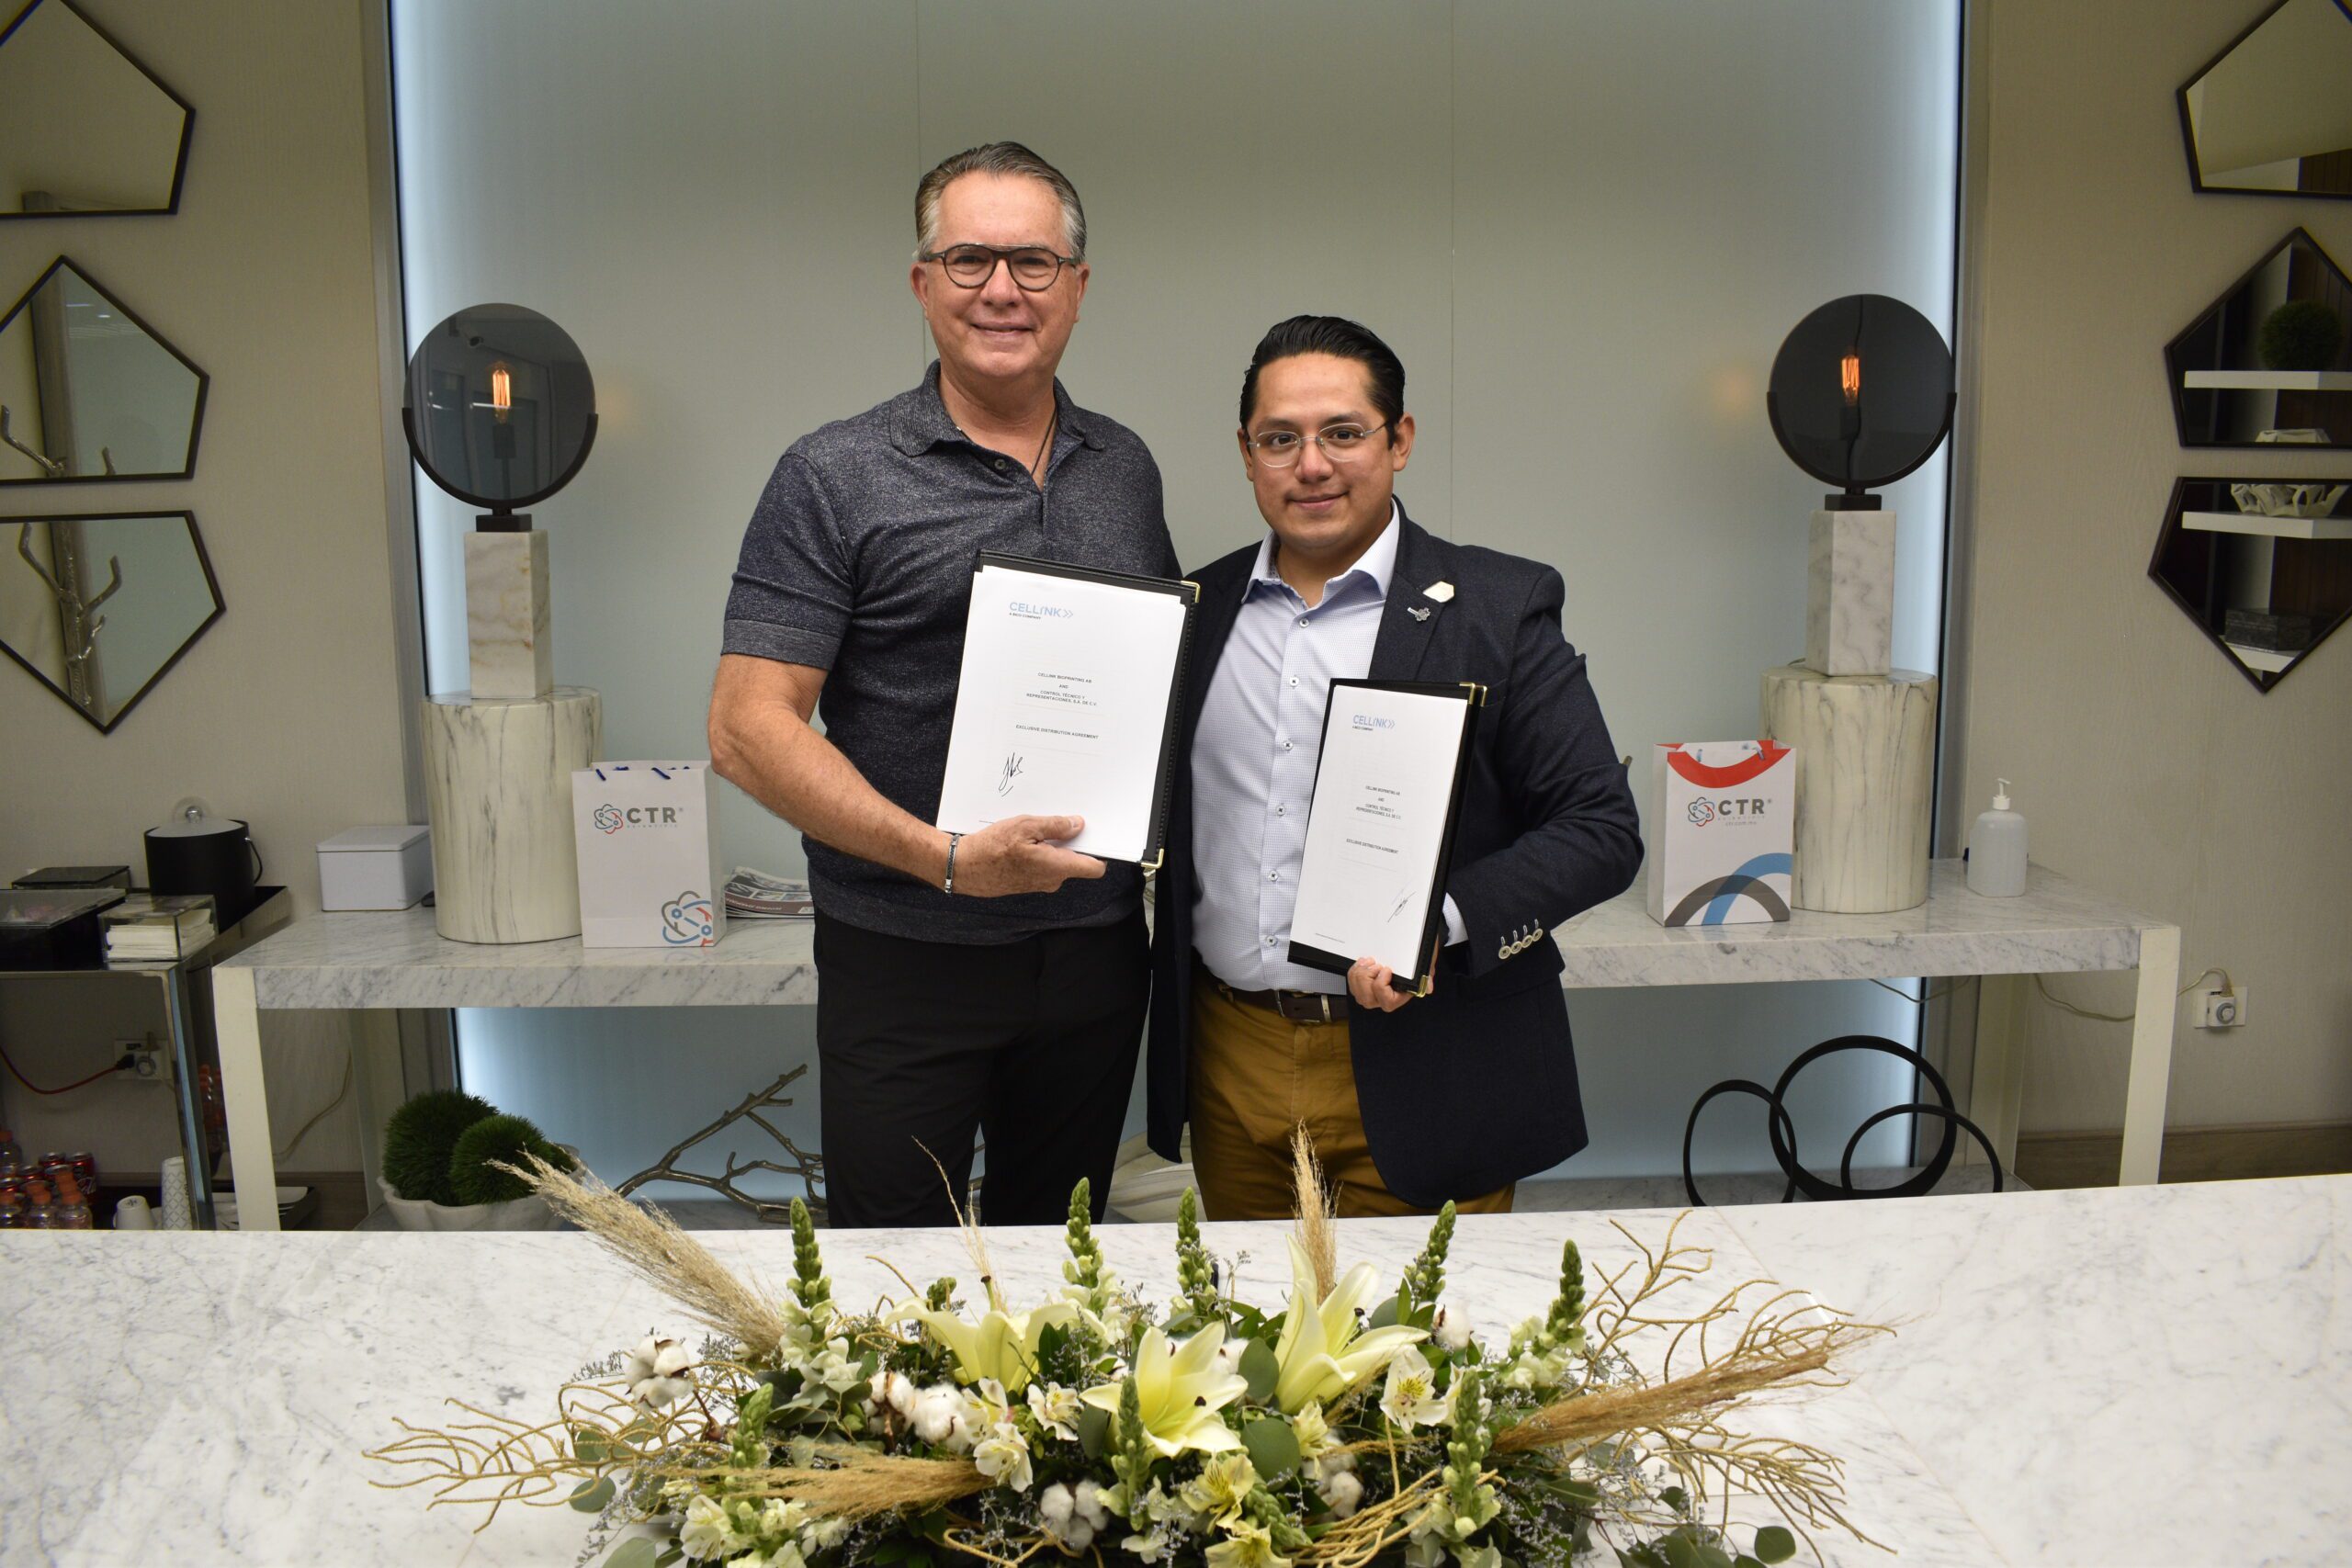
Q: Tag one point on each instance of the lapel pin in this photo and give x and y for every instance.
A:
(1441, 591)
(1419, 612)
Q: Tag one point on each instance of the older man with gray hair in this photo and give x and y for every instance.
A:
(992, 982)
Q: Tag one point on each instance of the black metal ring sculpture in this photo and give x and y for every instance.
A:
(1785, 1143)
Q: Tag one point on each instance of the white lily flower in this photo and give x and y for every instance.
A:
(651, 1373)
(1003, 1455)
(1321, 1353)
(1411, 1398)
(706, 1533)
(1001, 1345)
(1250, 1546)
(1179, 1392)
(1057, 1409)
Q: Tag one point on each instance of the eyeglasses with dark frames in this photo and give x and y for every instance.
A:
(1033, 267)
(1280, 448)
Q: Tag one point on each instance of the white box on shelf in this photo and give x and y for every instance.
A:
(1722, 826)
(376, 868)
(648, 855)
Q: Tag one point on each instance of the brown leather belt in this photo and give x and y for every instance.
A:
(1299, 1007)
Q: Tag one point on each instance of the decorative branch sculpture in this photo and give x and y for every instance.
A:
(809, 1168)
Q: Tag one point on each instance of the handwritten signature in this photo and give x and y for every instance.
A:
(1011, 772)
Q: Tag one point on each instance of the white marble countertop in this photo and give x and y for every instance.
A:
(397, 960)
(2132, 1376)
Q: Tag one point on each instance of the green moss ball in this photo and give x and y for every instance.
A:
(420, 1137)
(475, 1179)
(2302, 335)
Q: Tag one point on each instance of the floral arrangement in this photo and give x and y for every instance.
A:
(1362, 1423)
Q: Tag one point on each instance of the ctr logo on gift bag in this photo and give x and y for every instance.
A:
(1720, 814)
(686, 921)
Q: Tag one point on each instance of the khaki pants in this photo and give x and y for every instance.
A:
(1256, 1074)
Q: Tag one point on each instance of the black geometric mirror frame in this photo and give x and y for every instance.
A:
(2217, 543)
(188, 120)
(195, 410)
(211, 583)
(2337, 164)
(2218, 347)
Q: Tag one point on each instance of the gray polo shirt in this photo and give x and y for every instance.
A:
(858, 560)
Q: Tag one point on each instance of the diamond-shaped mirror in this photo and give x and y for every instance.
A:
(2263, 565)
(90, 391)
(2270, 361)
(99, 607)
(85, 131)
(2271, 115)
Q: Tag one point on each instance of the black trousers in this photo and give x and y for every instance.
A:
(1031, 1045)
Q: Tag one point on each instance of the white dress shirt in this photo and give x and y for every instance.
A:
(1253, 762)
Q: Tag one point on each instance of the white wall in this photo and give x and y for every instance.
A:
(1586, 231)
(285, 713)
(2145, 762)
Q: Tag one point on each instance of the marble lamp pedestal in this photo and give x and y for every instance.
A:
(498, 786)
(508, 626)
(1865, 753)
(1849, 593)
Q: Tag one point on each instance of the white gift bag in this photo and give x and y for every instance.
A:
(648, 855)
(1723, 817)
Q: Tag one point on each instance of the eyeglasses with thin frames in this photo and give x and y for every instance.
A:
(1280, 448)
(1033, 267)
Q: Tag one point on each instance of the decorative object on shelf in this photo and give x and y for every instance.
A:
(2275, 498)
(1782, 1128)
(442, 1151)
(805, 1167)
(1865, 750)
(498, 793)
(195, 851)
(1362, 1419)
(1861, 395)
(2261, 566)
(2270, 114)
(85, 130)
(2225, 389)
(89, 393)
(147, 570)
(647, 843)
(501, 411)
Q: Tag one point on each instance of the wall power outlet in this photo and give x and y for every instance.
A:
(2221, 1008)
(143, 1061)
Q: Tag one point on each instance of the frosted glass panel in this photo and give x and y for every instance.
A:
(1584, 229)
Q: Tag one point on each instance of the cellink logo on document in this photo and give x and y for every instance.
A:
(1027, 611)
(1371, 721)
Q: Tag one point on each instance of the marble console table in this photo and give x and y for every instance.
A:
(2149, 1375)
(397, 960)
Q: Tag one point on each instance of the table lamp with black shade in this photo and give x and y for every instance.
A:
(1860, 395)
(501, 411)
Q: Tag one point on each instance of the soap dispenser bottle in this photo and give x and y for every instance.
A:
(1996, 849)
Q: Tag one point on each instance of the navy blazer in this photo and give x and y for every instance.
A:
(1475, 1085)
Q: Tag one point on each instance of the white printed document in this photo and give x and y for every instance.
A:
(1067, 703)
(1386, 789)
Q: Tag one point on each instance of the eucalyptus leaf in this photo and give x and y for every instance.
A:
(1775, 1544)
(1384, 1315)
(1679, 1551)
(589, 1445)
(1273, 1446)
(591, 1496)
(1093, 1430)
(1259, 1367)
(638, 1552)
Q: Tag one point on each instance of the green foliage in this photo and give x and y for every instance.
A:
(1775, 1544)
(942, 1292)
(1261, 1506)
(1260, 1369)
(1567, 1308)
(506, 1139)
(590, 1497)
(2302, 335)
(1425, 1277)
(1273, 1446)
(1195, 1274)
(809, 1286)
(422, 1135)
(635, 1552)
(1084, 1268)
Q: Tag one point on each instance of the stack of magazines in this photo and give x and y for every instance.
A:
(756, 896)
(157, 927)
